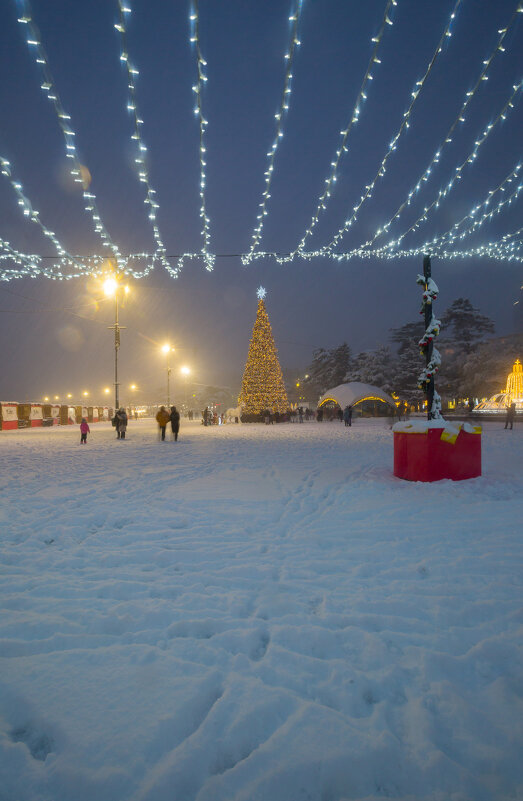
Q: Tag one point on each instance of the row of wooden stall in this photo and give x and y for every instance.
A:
(32, 415)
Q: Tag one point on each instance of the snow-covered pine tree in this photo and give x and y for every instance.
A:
(328, 368)
(373, 367)
(464, 325)
(262, 385)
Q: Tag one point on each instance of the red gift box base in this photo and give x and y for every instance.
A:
(427, 457)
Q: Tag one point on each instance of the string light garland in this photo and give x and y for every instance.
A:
(459, 119)
(197, 89)
(452, 235)
(405, 124)
(14, 264)
(141, 149)
(279, 117)
(48, 86)
(28, 210)
(354, 118)
(457, 174)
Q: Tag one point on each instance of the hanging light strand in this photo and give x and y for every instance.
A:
(197, 89)
(457, 174)
(454, 234)
(405, 124)
(36, 48)
(294, 18)
(459, 119)
(354, 118)
(28, 211)
(140, 160)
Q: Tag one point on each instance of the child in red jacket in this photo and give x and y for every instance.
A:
(84, 431)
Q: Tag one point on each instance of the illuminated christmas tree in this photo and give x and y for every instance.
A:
(262, 386)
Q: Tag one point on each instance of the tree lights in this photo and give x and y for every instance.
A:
(262, 385)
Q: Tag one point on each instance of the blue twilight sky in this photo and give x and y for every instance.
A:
(54, 334)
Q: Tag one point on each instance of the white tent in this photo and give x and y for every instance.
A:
(355, 392)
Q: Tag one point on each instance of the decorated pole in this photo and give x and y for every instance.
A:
(426, 343)
(436, 449)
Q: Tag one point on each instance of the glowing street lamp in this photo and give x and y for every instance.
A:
(111, 288)
(167, 350)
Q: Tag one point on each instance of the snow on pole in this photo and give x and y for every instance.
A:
(426, 343)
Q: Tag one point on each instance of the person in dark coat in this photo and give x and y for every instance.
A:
(347, 416)
(511, 414)
(175, 422)
(121, 423)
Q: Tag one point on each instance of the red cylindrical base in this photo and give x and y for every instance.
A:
(428, 457)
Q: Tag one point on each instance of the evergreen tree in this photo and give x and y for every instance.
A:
(262, 384)
(340, 363)
(464, 325)
(318, 372)
(373, 367)
(405, 372)
(406, 335)
(328, 368)
(463, 328)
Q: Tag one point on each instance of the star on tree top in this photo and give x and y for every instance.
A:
(261, 292)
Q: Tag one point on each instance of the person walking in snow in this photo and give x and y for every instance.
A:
(162, 418)
(84, 431)
(347, 416)
(121, 423)
(511, 414)
(175, 422)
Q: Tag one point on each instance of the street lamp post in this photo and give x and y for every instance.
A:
(185, 371)
(111, 287)
(167, 350)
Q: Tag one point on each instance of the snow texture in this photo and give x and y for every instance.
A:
(257, 613)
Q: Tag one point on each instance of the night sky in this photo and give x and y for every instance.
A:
(54, 334)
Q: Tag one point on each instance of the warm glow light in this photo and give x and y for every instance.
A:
(166, 348)
(56, 397)
(85, 394)
(110, 286)
(133, 386)
(106, 390)
(46, 398)
(185, 370)
(69, 395)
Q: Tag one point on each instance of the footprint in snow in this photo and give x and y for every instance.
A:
(40, 745)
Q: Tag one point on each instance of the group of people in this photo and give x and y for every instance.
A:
(164, 417)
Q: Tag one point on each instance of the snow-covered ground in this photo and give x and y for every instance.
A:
(257, 613)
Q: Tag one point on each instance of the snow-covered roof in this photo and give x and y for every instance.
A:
(355, 392)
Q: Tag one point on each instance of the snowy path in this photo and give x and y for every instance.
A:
(257, 613)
